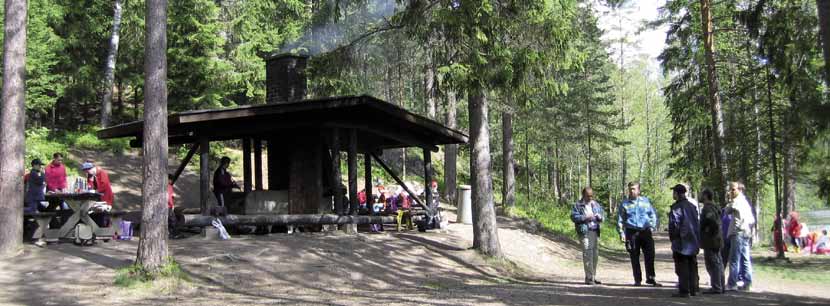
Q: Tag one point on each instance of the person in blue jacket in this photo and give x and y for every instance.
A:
(636, 220)
(587, 216)
(684, 233)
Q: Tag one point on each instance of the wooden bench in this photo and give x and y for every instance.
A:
(42, 219)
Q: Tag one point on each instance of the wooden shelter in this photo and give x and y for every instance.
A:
(303, 139)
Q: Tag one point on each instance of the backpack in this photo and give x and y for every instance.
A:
(84, 235)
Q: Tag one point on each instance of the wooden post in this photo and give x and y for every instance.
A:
(352, 171)
(399, 181)
(428, 179)
(367, 177)
(258, 163)
(185, 161)
(246, 164)
(204, 175)
(335, 173)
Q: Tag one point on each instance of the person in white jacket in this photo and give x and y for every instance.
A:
(740, 234)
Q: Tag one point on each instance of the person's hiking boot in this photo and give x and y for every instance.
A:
(680, 295)
(745, 288)
(731, 288)
(596, 282)
(637, 284)
(589, 282)
(713, 291)
(654, 283)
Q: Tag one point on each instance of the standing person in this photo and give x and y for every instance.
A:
(794, 230)
(636, 219)
(223, 183)
(35, 187)
(99, 180)
(740, 234)
(725, 221)
(172, 229)
(56, 174)
(711, 241)
(684, 231)
(587, 216)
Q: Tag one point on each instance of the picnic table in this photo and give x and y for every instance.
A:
(81, 203)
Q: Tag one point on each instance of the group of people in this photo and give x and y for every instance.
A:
(724, 234)
(52, 178)
(802, 239)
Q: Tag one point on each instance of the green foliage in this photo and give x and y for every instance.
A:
(40, 145)
(556, 218)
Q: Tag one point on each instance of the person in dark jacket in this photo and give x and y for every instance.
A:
(35, 187)
(711, 241)
(223, 183)
(587, 216)
(684, 231)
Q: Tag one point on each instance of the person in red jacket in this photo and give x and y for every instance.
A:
(56, 174)
(99, 180)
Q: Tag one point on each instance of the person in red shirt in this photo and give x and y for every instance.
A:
(56, 174)
(172, 219)
(99, 180)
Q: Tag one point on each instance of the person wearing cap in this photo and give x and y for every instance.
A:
(711, 241)
(223, 183)
(587, 217)
(636, 219)
(740, 234)
(99, 180)
(35, 186)
(684, 233)
(56, 174)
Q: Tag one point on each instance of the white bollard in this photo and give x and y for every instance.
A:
(464, 203)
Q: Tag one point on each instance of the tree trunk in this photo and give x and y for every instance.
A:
(557, 173)
(824, 35)
(485, 230)
(790, 168)
(429, 87)
(13, 116)
(779, 233)
(450, 152)
(109, 68)
(714, 98)
(509, 180)
(152, 248)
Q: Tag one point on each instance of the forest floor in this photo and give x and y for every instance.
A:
(390, 268)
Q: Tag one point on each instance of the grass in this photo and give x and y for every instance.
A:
(812, 269)
(556, 218)
(167, 280)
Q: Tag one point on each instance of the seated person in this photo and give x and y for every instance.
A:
(823, 243)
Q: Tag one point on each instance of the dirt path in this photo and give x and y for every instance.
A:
(335, 269)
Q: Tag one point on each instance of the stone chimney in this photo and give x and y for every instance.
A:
(285, 79)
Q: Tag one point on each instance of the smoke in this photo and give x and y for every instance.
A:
(323, 38)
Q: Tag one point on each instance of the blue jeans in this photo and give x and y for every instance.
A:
(740, 262)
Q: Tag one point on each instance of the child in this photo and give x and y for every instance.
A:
(35, 187)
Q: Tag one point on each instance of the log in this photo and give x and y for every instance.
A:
(305, 219)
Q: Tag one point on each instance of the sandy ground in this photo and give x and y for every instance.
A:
(390, 268)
